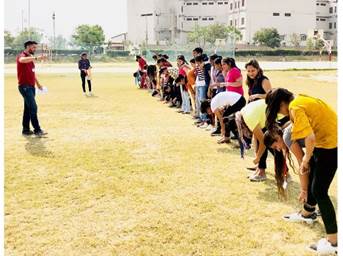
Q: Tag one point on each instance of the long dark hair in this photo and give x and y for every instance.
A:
(252, 82)
(274, 99)
(230, 61)
(280, 165)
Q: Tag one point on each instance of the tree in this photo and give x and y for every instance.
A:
(60, 42)
(209, 34)
(27, 34)
(309, 44)
(268, 37)
(8, 39)
(87, 36)
(295, 40)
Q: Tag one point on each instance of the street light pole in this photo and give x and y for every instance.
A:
(146, 15)
(53, 27)
(29, 18)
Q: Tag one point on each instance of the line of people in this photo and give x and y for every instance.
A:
(271, 119)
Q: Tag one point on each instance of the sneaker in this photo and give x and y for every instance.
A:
(27, 133)
(298, 217)
(323, 247)
(198, 122)
(85, 94)
(204, 126)
(258, 178)
(40, 133)
(215, 132)
(209, 128)
(90, 94)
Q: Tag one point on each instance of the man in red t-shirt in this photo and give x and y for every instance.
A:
(142, 69)
(26, 84)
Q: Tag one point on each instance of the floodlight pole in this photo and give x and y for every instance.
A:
(29, 18)
(53, 26)
(146, 15)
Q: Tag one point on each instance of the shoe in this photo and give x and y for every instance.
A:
(90, 94)
(258, 178)
(323, 247)
(251, 168)
(179, 111)
(298, 217)
(209, 128)
(223, 140)
(215, 132)
(204, 125)
(27, 133)
(40, 133)
(195, 117)
(85, 94)
(186, 113)
(198, 122)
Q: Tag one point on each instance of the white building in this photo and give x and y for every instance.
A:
(288, 17)
(169, 21)
(326, 19)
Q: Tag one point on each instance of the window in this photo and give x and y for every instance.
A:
(317, 19)
(334, 25)
(282, 37)
(189, 18)
(239, 3)
(204, 18)
(243, 3)
(330, 25)
(220, 3)
(335, 9)
(226, 3)
(303, 37)
(235, 5)
(231, 6)
(189, 3)
(231, 23)
(235, 23)
(322, 19)
(195, 19)
(317, 3)
(276, 14)
(211, 3)
(323, 4)
(242, 21)
(210, 19)
(287, 14)
(331, 10)
(204, 3)
(181, 9)
(195, 3)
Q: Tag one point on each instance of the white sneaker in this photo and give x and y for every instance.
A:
(85, 94)
(204, 126)
(90, 94)
(323, 247)
(209, 128)
(297, 217)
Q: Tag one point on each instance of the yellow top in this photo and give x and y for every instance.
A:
(255, 114)
(311, 115)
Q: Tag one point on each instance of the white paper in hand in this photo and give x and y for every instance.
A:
(44, 90)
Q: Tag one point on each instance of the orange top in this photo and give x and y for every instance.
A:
(191, 79)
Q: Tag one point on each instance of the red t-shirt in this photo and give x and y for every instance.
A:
(141, 64)
(26, 71)
(232, 76)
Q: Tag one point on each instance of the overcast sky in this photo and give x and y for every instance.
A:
(109, 14)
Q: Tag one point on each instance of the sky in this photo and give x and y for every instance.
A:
(109, 14)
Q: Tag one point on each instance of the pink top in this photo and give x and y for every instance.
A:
(232, 76)
(183, 70)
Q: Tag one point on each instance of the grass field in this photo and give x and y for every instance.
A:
(122, 174)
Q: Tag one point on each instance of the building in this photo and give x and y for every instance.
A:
(117, 42)
(169, 21)
(326, 19)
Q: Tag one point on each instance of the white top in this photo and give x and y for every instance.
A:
(223, 99)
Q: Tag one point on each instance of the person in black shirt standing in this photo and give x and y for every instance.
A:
(85, 66)
(258, 84)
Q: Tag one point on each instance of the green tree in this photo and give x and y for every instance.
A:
(309, 44)
(209, 34)
(88, 37)
(27, 34)
(295, 40)
(268, 37)
(60, 42)
(8, 39)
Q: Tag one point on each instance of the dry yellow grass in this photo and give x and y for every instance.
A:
(122, 174)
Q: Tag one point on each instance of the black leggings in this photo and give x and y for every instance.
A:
(323, 168)
(83, 79)
(229, 111)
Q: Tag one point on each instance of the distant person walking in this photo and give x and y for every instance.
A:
(26, 84)
(85, 69)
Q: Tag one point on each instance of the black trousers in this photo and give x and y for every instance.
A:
(30, 108)
(229, 111)
(83, 79)
(323, 168)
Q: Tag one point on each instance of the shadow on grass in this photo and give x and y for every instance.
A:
(36, 147)
(270, 194)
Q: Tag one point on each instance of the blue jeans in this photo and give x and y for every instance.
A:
(201, 92)
(30, 108)
(186, 106)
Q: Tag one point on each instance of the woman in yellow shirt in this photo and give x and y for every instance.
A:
(315, 122)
